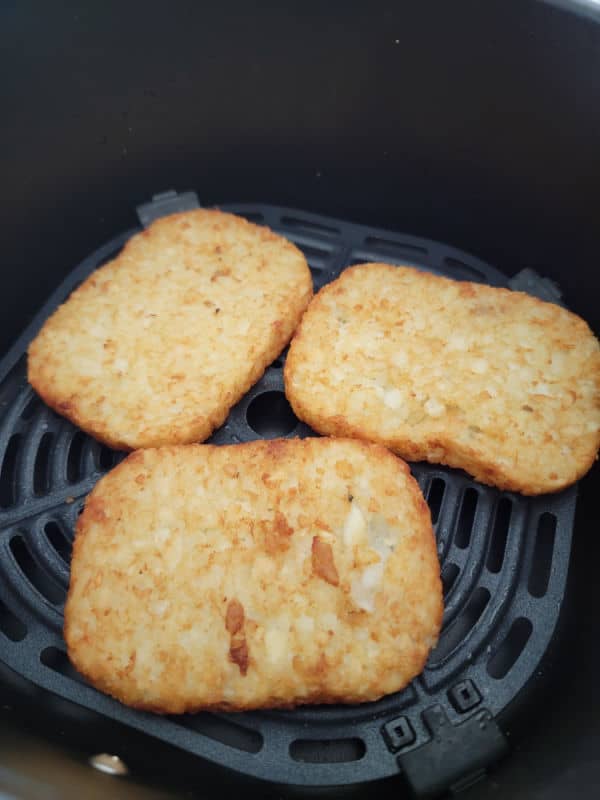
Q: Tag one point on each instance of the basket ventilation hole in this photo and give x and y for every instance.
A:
(435, 497)
(222, 730)
(463, 624)
(316, 257)
(32, 406)
(466, 518)
(392, 248)
(34, 573)
(58, 541)
(7, 472)
(327, 751)
(460, 269)
(41, 468)
(499, 535)
(542, 555)
(57, 660)
(449, 576)
(107, 457)
(74, 459)
(511, 648)
(309, 226)
(270, 415)
(11, 626)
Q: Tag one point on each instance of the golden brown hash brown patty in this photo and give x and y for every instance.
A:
(156, 346)
(493, 381)
(255, 575)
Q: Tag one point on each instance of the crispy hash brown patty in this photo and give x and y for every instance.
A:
(496, 382)
(256, 575)
(156, 346)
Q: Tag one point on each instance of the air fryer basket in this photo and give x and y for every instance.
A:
(475, 124)
(504, 562)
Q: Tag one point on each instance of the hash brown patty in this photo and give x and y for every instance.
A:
(156, 346)
(493, 381)
(265, 574)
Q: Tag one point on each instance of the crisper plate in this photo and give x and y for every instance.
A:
(504, 561)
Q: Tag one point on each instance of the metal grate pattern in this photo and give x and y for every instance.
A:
(504, 557)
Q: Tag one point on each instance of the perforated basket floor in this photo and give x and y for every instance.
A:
(504, 566)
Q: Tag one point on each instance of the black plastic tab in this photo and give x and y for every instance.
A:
(165, 203)
(455, 756)
(528, 280)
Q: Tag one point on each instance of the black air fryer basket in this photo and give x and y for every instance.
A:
(461, 138)
(504, 561)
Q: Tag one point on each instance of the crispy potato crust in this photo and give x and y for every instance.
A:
(156, 346)
(496, 382)
(266, 574)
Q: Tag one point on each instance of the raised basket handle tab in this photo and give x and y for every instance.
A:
(528, 280)
(456, 756)
(166, 203)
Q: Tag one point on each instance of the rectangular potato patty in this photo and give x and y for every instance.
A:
(496, 382)
(256, 575)
(157, 345)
